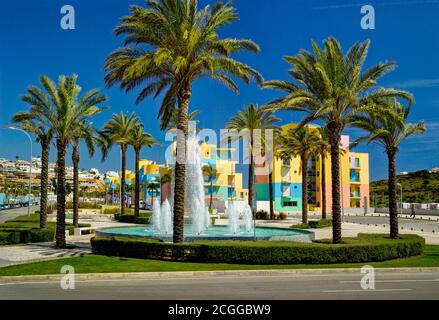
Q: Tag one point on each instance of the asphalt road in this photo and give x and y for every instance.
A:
(327, 286)
(9, 214)
(407, 224)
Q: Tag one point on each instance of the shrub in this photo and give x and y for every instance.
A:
(83, 205)
(365, 248)
(320, 224)
(26, 236)
(144, 218)
(283, 216)
(262, 215)
(114, 210)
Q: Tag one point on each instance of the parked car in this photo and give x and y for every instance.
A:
(145, 205)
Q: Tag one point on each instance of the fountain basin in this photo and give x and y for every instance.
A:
(214, 233)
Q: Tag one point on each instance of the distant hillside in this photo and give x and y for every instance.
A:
(418, 187)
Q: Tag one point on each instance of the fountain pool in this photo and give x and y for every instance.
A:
(215, 233)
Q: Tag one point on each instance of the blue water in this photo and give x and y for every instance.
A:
(213, 232)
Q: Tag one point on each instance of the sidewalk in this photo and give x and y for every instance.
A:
(35, 252)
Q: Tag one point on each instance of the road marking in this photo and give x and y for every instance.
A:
(393, 281)
(368, 291)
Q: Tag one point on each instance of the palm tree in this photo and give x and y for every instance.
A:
(62, 109)
(301, 142)
(119, 130)
(83, 132)
(210, 172)
(139, 140)
(182, 44)
(173, 121)
(152, 188)
(330, 86)
(252, 118)
(165, 178)
(324, 149)
(44, 135)
(386, 124)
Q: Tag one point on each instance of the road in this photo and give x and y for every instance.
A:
(9, 214)
(326, 286)
(407, 224)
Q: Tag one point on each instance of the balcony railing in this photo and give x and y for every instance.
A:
(356, 195)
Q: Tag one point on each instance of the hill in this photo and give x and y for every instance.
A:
(418, 187)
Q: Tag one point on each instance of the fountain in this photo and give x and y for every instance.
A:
(233, 216)
(248, 218)
(156, 216)
(166, 218)
(200, 227)
(162, 217)
(195, 194)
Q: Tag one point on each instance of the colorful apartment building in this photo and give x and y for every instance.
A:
(287, 182)
(227, 185)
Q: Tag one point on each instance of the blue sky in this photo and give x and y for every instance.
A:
(32, 43)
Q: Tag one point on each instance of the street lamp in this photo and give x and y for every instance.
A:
(402, 206)
(107, 182)
(30, 165)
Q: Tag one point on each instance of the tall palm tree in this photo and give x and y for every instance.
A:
(386, 124)
(119, 130)
(173, 121)
(301, 142)
(83, 132)
(152, 188)
(139, 140)
(182, 44)
(43, 132)
(62, 108)
(210, 172)
(324, 149)
(252, 118)
(330, 86)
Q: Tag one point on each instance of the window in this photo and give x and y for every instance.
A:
(290, 204)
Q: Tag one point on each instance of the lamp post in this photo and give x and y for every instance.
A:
(107, 182)
(400, 186)
(30, 165)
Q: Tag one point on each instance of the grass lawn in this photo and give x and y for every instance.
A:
(101, 264)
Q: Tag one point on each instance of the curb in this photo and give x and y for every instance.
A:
(204, 274)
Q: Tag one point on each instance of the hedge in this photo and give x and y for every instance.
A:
(83, 205)
(25, 229)
(145, 218)
(114, 210)
(320, 224)
(26, 236)
(365, 248)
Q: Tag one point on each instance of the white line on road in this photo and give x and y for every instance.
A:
(394, 281)
(366, 291)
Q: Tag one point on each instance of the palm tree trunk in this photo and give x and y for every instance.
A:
(335, 139)
(211, 194)
(122, 179)
(251, 174)
(393, 206)
(180, 166)
(75, 160)
(137, 185)
(250, 183)
(304, 159)
(271, 193)
(44, 181)
(323, 173)
(61, 194)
